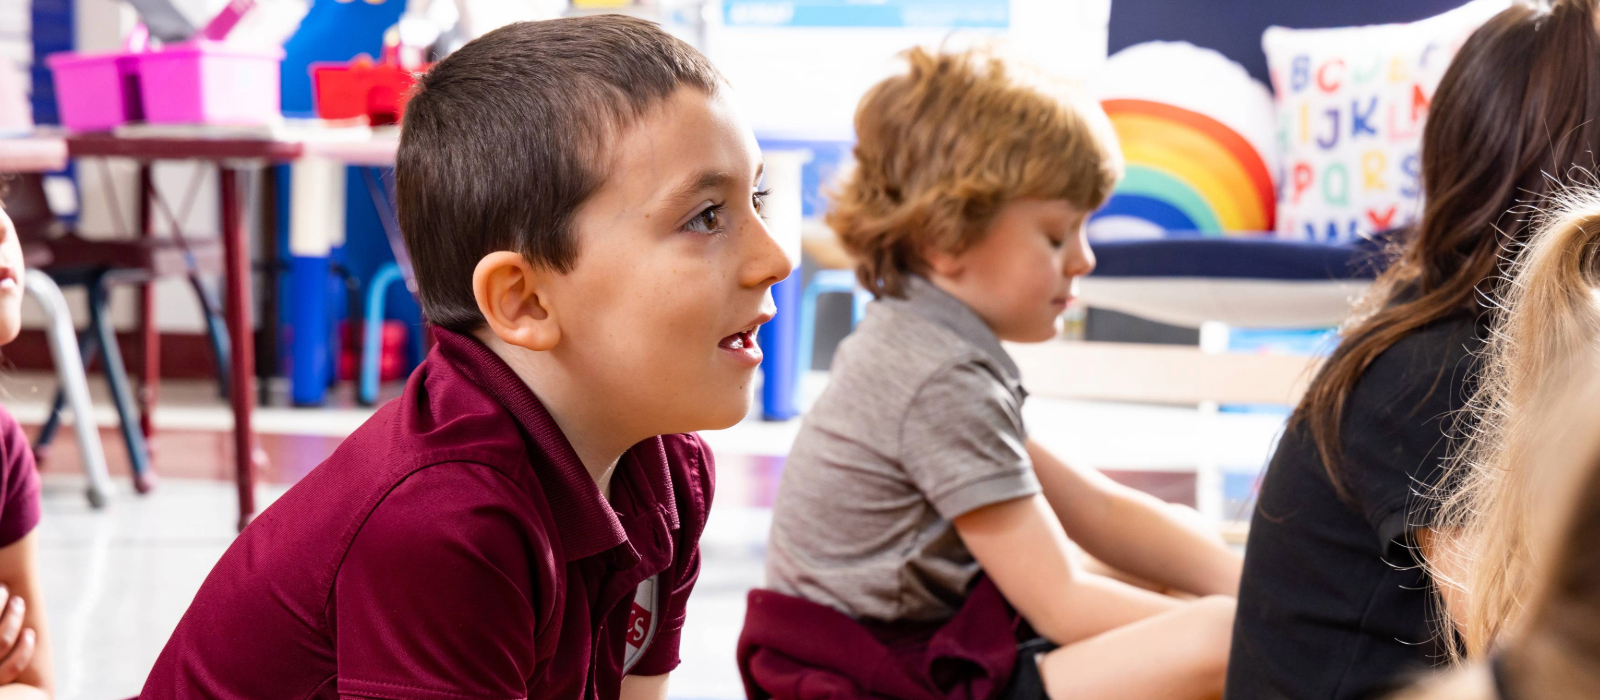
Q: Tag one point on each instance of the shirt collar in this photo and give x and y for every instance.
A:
(927, 300)
(587, 523)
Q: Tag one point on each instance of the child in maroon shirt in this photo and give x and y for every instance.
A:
(24, 642)
(580, 200)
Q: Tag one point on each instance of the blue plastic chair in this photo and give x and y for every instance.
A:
(372, 331)
(825, 282)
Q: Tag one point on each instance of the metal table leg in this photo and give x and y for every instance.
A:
(150, 333)
(242, 391)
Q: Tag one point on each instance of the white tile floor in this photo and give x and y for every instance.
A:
(117, 581)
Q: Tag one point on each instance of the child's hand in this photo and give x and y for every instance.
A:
(16, 643)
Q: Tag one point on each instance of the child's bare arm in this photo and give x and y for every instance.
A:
(1116, 640)
(1181, 654)
(1135, 532)
(634, 688)
(1021, 546)
(25, 665)
(18, 691)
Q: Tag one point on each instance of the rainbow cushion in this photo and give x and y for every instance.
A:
(1195, 132)
(1187, 172)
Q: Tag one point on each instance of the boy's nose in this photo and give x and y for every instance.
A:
(1080, 259)
(765, 262)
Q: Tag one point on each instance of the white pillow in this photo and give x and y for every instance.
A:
(1351, 103)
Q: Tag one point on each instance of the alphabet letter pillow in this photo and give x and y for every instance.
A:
(1351, 103)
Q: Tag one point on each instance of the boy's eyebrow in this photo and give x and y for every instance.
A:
(700, 182)
(706, 180)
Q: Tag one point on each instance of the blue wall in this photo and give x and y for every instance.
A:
(52, 32)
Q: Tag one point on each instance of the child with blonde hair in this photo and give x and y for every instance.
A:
(1548, 332)
(1548, 648)
(1520, 574)
(913, 511)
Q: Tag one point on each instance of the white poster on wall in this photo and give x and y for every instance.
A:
(800, 66)
(993, 14)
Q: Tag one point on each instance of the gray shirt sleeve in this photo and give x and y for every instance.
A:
(962, 441)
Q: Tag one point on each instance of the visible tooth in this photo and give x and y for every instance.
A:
(738, 343)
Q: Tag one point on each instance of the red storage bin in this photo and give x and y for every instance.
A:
(362, 88)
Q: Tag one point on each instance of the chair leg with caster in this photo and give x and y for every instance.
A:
(89, 349)
(70, 365)
(216, 331)
(121, 388)
(372, 332)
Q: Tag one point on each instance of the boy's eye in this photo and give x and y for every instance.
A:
(707, 221)
(759, 200)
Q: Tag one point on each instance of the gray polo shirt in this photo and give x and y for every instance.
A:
(921, 422)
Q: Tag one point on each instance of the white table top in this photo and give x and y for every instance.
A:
(376, 150)
(33, 154)
(47, 151)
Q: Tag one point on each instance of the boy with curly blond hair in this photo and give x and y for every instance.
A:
(912, 476)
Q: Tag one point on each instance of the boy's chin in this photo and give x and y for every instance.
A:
(722, 412)
(1037, 333)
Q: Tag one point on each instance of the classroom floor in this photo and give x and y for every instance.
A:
(117, 580)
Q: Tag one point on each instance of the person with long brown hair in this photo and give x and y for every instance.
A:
(1333, 601)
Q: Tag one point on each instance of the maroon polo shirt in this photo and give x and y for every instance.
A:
(453, 548)
(19, 483)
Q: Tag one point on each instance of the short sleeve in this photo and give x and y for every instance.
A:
(434, 600)
(693, 460)
(962, 442)
(19, 482)
(1399, 423)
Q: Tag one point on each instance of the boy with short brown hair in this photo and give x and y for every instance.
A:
(580, 201)
(912, 475)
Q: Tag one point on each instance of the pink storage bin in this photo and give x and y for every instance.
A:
(208, 83)
(98, 91)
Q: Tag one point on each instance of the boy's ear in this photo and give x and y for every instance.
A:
(510, 295)
(942, 263)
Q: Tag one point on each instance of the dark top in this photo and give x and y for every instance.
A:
(19, 482)
(453, 548)
(1332, 604)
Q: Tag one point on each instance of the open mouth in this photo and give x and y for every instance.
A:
(741, 345)
(743, 340)
(8, 279)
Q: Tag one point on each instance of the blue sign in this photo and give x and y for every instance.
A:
(995, 14)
